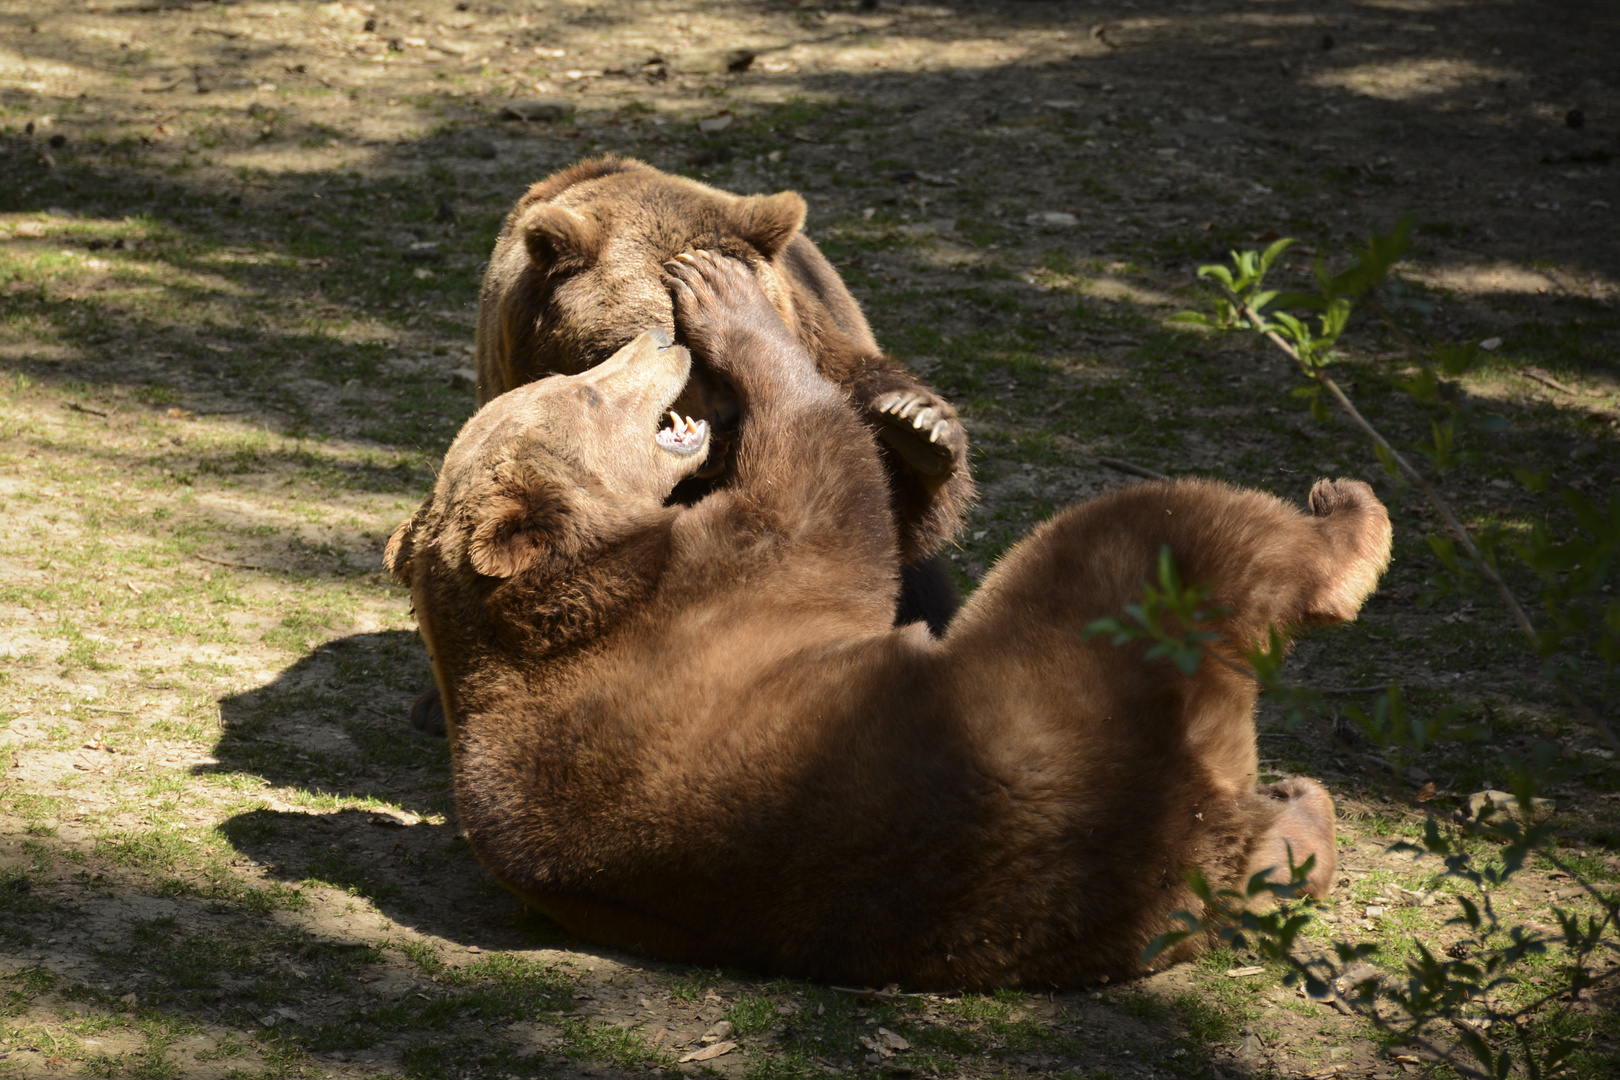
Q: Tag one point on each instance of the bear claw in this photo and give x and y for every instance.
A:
(899, 408)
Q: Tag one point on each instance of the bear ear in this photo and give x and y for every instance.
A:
(768, 221)
(558, 238)
(397, 555)
(518, 526)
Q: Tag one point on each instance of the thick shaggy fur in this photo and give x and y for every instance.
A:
(576, 274)
(691, 732)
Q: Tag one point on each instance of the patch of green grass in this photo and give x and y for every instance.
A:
(750, 1014)
(693, 983)
(24, 986)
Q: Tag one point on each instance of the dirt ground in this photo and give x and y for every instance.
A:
(239, 253)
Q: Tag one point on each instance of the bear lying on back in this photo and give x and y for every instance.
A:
(691, 732)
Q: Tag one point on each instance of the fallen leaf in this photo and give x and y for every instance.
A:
(708, 1053)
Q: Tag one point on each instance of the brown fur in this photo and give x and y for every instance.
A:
(576, 274)
(691, 732)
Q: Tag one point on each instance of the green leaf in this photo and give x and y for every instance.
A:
(1191, 318)
(1163, 942)
(1386, 459)
(1445, 549)
(1270, 255)
(1455, 360)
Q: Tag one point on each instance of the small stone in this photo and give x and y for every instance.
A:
(1053, 219)
(423, 251)
(1491, 344)
(350, 391)
(128, 999)
(723, 1030)
(541, 110)
(1250, 1047)
(720, 121)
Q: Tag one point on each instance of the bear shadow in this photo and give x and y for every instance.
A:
(334, 729)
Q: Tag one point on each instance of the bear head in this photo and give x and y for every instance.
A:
(577, 270)
(556, 469)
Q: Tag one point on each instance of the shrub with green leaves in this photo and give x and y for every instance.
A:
(1466, 1006)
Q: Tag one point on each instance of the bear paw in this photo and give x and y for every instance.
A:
(922, 428)
(717, 301)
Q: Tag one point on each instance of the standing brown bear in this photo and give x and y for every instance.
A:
(576, 275)
(690, 731)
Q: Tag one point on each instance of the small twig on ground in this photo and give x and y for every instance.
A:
(1121, 465)
(1535, 374)
(228, 562)
(102, 708)
(76, 407)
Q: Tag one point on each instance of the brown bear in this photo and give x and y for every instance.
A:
(691, 731)
(576, 274)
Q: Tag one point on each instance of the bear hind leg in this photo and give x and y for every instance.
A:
(1303, 827)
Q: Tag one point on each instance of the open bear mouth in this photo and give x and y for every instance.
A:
(681, 434)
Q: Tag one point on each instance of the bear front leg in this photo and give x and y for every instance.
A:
(923, 427)
(924, 447)
(724, 317)
(802, 455)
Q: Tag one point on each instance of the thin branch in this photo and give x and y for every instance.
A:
(1121, 465)
(228, 562)
(1456, 527)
